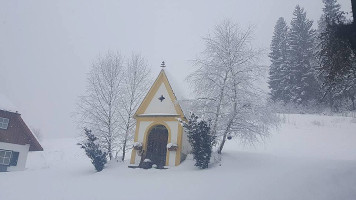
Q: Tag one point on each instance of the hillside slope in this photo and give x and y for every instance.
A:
(308, 157)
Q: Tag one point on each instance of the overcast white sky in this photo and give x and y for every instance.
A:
(46, 47)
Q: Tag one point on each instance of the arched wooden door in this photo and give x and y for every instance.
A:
(157, 145)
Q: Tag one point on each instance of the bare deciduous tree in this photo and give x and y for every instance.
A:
(98, 109)
(134, 88)
(225, 84)
(115, 88)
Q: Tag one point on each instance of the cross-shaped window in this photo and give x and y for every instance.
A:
(161, 98)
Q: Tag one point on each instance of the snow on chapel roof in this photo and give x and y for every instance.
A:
(163, 77)
(175, 86)
(183, 99)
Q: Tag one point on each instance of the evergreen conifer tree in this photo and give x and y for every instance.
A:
(331, 14)
(201, 140)
(301, 39)
(279, 74)
(337, 67)
(93, 150)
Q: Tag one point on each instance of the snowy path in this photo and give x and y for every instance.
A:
(309, 157)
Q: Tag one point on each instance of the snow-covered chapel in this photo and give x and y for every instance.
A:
(159, 135)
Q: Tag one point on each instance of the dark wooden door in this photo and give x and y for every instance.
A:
(157, 145)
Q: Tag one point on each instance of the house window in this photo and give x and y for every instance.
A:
(5, 157)
(14, 158)
(4, 122)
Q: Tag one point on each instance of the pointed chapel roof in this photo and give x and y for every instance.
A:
(162, 78)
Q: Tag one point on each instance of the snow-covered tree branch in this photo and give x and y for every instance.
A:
(115, 88)
(136, 84)
(225, 86)
(98, 108)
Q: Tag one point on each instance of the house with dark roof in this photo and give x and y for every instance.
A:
(16, 140)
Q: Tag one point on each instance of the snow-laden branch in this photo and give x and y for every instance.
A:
(116, 86)
(225, 86)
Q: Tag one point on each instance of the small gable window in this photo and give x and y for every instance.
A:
(5, 157)
(4, 122)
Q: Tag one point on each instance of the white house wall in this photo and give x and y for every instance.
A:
(164, 107)
(23, 151)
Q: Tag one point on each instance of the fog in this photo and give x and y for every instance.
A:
(47, 47)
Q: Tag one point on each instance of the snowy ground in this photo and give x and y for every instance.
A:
(309, 157)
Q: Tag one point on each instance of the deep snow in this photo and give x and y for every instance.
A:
(308, 157)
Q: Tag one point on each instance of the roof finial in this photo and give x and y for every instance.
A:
(163, 65)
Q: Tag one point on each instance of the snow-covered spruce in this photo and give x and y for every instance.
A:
(93, 151)
(337, 71)
(302, 83)
(279, 73)
(201, 140)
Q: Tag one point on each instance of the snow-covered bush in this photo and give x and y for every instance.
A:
(201, 140)
(93, 150)
(172, 147)
(137, 146)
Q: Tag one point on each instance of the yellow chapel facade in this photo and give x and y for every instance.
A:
(159, 135)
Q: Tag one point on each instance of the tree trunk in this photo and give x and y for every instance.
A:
(126, 135)
(221, 96)
(230, 122)
(222, 143)
(124, 151)
(227, 129)
(123, 154)
(110, 149)
(127, 127)
(110, 152)
(331, 102)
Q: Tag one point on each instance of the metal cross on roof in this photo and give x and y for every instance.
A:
(161, 98)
